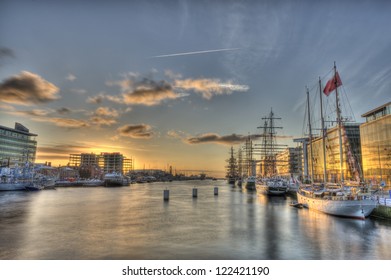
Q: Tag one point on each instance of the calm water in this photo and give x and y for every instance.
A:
(135, 223)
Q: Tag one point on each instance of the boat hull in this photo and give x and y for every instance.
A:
(358, 209)
(250, 185)
(13, 186)
(271, 190)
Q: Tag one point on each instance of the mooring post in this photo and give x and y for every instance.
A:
(166, 195)
(194, 192)
(216, 191)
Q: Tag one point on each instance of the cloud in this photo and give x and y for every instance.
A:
(104, 116)
(139, 131)
(7, 107)
(61, 149)
(71, 77)
(232, 139)
(95, 99)
(6, 52)
(27, 88)
(98, 99)
(96, 120)
(150, 93)
(170, 74)
(67, 123)
(63, 111)
(107, 112)
(78, 91)
(209, 87)
(177, 134)
(32, 113)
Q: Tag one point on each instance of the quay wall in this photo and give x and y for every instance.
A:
(382, 211)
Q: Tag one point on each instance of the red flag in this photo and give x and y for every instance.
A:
(332, 84)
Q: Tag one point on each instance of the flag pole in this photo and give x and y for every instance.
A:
(323, 133)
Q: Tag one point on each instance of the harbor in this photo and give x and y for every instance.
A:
(136, 223)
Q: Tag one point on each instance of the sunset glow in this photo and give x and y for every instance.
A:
(177, 83)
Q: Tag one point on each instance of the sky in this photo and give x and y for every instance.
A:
(180, 82)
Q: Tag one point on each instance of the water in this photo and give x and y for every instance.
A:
(135, 223)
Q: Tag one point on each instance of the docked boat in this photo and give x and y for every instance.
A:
(271, 183)
(337, 201)
(115, 180)
(232, 168)
(273, 186)
(334, 199)
(250, 183)
(93, 183)
(14, 179)
(35, 187)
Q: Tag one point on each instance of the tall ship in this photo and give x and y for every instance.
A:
(342, 198)
(249, 166)
(270, 183)
(232, 168)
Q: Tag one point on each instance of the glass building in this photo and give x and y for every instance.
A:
(17, 145)
(289, 162)
(376, 145)
(351, 151)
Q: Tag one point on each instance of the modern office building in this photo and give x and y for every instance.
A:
(17, 145)
(351, 151)
(376, 145)
(289, 162)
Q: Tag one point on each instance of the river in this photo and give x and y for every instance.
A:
(134, 222)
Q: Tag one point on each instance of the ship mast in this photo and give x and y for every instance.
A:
(323, 133)
(339, 121)
(269, 147)
(310, 136)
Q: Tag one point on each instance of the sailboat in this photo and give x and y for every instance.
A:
(232, 168)
(249, 179)
(271, 184)
(335, 199)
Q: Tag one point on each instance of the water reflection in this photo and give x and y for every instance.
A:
(135, 223)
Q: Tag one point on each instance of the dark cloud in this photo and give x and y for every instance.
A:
(149, 92)
(142, 131)
(232, 139)
(27, 88)
(6, 52)
(95, 99)
(63, 111)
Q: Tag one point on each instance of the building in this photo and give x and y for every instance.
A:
(376, 145)
(289, 162)
(17, 145)
(351, 151)
(89, 163)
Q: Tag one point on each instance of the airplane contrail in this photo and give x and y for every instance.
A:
(196, 52)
